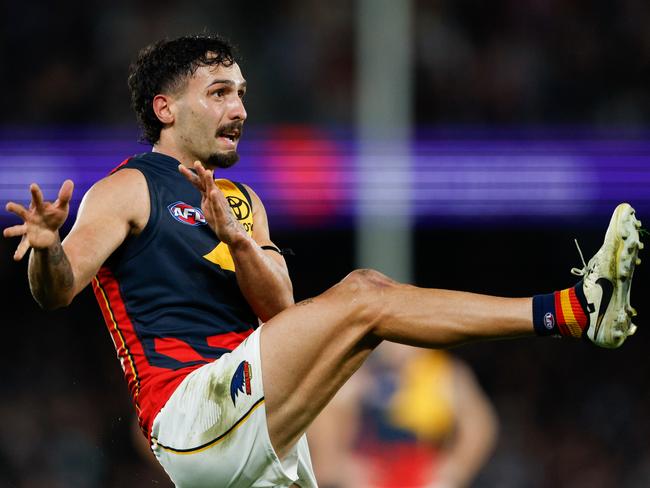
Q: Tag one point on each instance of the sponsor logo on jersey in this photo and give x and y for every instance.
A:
(549, 321)
(240, 208)
(241, 381)
(186, 214)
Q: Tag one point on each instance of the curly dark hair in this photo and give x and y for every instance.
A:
(165, 66)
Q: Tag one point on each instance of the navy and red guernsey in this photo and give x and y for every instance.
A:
(169, 295)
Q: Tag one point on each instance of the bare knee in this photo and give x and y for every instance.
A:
(367, 280)
(365, 290)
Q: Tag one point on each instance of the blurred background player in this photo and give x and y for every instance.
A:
(408, 418)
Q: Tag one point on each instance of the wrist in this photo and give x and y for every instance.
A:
(240, 243)
(46, 244)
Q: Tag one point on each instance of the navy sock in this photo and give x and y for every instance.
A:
(561, 313)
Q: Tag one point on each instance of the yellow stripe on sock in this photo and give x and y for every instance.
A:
(569, 317)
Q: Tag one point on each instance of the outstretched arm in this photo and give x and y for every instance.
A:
(112, 208)
(50, 273)
(261, 274)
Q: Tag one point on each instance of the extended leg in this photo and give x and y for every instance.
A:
(310, 350)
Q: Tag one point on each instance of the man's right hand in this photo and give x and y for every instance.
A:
(41, 221)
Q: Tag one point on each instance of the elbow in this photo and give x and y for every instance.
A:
(280, 303)
(287, 299)
(50, 303)
(284, 298)
(288, 296)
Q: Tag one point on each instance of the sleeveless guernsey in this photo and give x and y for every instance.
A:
(169, 296)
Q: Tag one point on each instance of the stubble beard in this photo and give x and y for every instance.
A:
(226, 159)
(222, 160)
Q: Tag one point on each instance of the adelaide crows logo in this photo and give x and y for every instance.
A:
(186, 214)
(241, 381)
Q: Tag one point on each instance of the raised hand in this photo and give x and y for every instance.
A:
(214, 205)
(41, 221)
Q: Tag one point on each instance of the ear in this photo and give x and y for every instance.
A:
(162, 107)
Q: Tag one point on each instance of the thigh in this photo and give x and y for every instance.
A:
(308, 352)
(212, 431)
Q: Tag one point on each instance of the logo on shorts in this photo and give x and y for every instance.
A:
(241, 381)
(187, 214)
(549, 320)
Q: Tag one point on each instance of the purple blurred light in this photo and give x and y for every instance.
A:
(308, 176)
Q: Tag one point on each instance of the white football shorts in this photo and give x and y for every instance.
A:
(212, 431)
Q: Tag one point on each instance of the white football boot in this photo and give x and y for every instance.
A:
(607, 280)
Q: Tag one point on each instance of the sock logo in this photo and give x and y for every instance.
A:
(549, 321)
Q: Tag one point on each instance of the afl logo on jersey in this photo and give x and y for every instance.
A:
(187, 214)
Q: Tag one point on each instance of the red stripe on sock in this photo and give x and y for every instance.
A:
(559, 315)
(578, 311)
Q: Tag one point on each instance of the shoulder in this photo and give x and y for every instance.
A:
(149, 158)
(119, 184)
(254, 197)
(123, 193)
(261, 228)
(132, 161)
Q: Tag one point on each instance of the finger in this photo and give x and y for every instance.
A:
(17, 209)
(37, 195)
(191, 177)
(207, 176)
(216, 196)
(204, 174)
(198, 166)
(200, 171)
(65, 194)
(22, 248)
(208, 180)
(218, 202)
(14, 231)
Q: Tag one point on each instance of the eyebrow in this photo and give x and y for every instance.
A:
(226, 82)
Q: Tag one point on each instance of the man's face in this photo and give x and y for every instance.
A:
(210, 114)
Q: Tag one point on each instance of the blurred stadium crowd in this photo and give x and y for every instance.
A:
(570, 415)
(507, 61)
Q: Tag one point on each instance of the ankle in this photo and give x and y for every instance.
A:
(561, 313)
